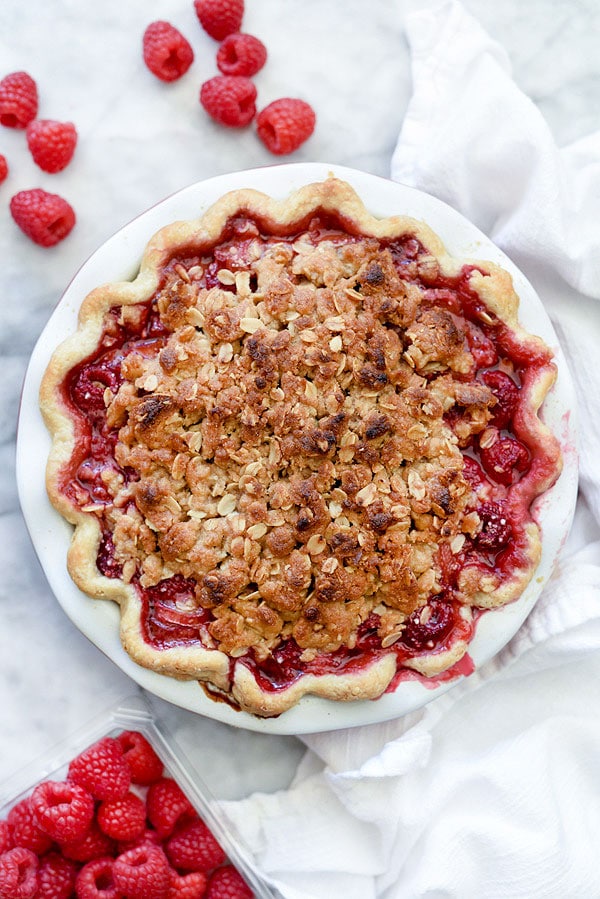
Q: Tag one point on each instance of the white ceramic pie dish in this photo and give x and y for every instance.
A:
(117, 259)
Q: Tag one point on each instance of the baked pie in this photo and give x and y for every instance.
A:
(300, 449)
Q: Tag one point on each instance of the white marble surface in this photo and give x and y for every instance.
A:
(141, 140)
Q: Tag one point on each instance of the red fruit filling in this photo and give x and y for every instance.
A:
(171, 614)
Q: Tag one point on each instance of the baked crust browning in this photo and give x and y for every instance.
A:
(261, 441)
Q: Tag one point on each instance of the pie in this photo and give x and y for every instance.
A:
(300, 449)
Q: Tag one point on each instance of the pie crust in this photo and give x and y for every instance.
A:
(300, 449)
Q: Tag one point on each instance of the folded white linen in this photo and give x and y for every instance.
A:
(492, 790)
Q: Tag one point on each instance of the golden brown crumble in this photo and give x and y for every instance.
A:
(291, 449)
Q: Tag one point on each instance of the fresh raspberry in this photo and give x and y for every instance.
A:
(194, 848)
(18, 100)
(507, 397)
(148, 835)
(144, 764)
(241, 54)
(220, 17)
(285, 124)
(45, 218)
(167, 53)
(3, 168)
(94, 844)
(51, 144)
(166, 805)
(122, 819)
(25, 830)
(504, 460)
(6, 837)
(56, 877)
(96, 881)
(229, 100)
(102, 770)
(187, 886)
(228, 883)
(18, 874)
(63, 810)
(143, 873)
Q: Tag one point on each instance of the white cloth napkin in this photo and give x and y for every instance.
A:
(492, 790)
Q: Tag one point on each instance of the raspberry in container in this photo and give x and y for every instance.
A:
(115, 812)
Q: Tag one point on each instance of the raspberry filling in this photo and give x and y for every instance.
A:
(495, 460)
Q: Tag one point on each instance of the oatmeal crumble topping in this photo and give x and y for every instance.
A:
(288, 447)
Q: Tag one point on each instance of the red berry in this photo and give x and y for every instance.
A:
(94, 844)
(96, 880)
(507, 397)
(420, 629)
(228, 883)
(496, 530)
(143, 873)
(241, 54)
(18, 874)
(473, 473)
(220, 17)
(6, 838)
(229, 100)
(102, 770)
(167, 53)
(144, 764)
(122, 819)
(63, 810)
(45, 218)
(187, 886)
(166, 805)
(3, 168)
(504, 459)
(194, 848)
(51, 144)
(148, 835)
(285, 124)
(56, 877)
(18, 100)
(25, 830)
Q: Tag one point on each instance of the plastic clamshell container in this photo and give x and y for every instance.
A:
(135, 714)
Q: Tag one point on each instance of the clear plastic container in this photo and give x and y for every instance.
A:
(134, 713)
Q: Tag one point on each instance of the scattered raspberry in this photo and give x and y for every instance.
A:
(56, 877)
(143, 873)
(18, 874)
(96, 881)
(94, 844)
(228, 883)
(102, 770)
(25, 830)
(166, 805)
(229, 100)
(51, 144)
(504, 460)
(188, 886)
(18, 100)
(167, 53)
(194, 848)
(3, 168)
(241, 54)
(144, 764)
(507, 397)
(220, 17)
(122, 819)
(43, 217)
(285, 124)
(63, 810)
